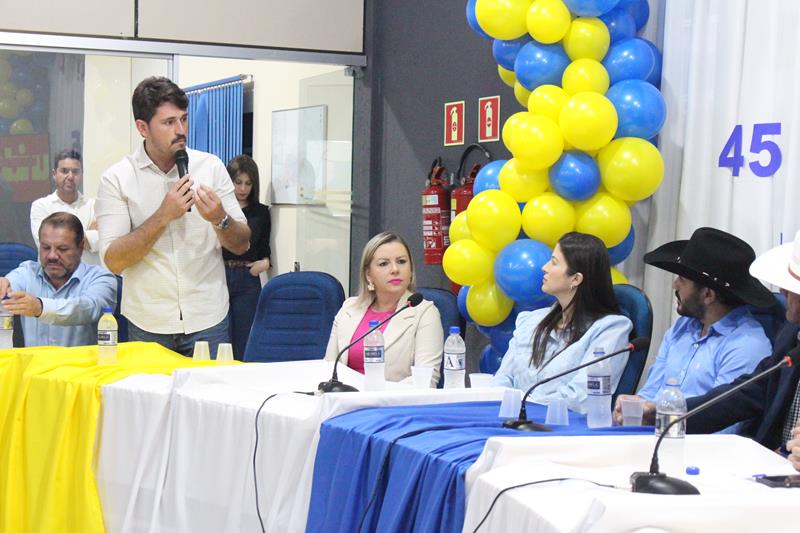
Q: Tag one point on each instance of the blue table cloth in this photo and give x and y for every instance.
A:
(422, 486)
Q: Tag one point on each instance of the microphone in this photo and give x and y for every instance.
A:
(523, 424)
(333, 384)
(655, 482)
(182, 162)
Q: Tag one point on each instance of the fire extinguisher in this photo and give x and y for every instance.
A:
(461, 196)
(435, 214)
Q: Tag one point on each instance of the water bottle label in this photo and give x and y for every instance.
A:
(107, 338)
(7, 322)
(454, 361)
(664, 419)
(598, 385)
(373, 354)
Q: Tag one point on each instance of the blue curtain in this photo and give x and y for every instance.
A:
(215, 117)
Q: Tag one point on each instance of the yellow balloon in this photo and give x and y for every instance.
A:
(618, 277)
(24, 97)
(5, 70)
(8, 90)
(547, 100)
(605, 217)
(585, 75)
(21, 126)
(547, 217)
(508, 76)
(487, 304)
(537, 142)
(459, 229)
(587, 37)
(466, 262)
(9, 108)
(520, 181)
(512, 125)
(630, 168)
(494, 220)
(548, 20)
(521, 94)
(502, 19)
(588, 121)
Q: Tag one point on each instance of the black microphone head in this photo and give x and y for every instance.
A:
(182, 162)
(414, 300)
(640, 343)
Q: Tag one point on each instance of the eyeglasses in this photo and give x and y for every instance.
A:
(74, 171)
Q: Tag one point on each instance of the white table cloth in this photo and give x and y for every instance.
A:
(729, 499)
(175, 454)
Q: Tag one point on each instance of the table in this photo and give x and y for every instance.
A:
(49, 407)
(729, 499)
(423, 488)
(176, 454)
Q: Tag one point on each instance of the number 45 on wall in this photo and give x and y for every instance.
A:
(731, 155)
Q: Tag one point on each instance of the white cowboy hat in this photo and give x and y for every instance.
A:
(780, 266)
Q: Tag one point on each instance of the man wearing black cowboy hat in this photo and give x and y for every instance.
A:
(716, 339)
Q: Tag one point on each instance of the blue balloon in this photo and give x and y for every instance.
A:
(540, 64)
(505, 52)
(575, 176)
(546, 300)
(462, 304)
(641, 109)
(490, 360)
(629, 59)
(5, 124)
(655, 75)
(518, 270)
(472, 20)
(620, 24)
(22, 78)
(591, 8)
(487, 177)
(639, 10)
(500, 335)
(617, 254)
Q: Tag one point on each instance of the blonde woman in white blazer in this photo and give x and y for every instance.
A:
(413, 337)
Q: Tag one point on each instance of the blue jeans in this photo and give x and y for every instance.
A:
(183, 343)
(243, 290)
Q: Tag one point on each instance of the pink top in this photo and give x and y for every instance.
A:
(355, 356)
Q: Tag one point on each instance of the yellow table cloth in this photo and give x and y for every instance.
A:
(49, 407)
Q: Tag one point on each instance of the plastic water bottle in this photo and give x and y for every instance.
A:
(670, 404)
(374, 378)
(107, 338)
(598, 390)
(6, 328)
(455, 353)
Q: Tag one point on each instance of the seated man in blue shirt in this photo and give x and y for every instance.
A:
(716, 339)
(59, 299)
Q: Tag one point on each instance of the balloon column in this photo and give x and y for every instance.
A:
(582, 149)
(24, 91)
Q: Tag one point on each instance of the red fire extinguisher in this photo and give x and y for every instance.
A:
(435, 214)
(461, 196)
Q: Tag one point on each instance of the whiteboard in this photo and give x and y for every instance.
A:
(298, 155)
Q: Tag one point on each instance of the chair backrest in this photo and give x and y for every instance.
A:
(294, 317)
(635, 305)
(14, 253)
(447, 305)
(771, 318)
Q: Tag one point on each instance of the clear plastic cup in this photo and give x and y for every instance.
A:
(224, 353)
(632, 411)
(557, 412)
(201, 351)
(422, 376)
(477, 380)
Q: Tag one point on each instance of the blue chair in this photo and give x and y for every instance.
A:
(14, 253)
(294, 317)
(771, 318)
(447, 305)
(635, 305)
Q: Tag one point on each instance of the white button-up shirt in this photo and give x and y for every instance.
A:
(83, 208)
(179, 286)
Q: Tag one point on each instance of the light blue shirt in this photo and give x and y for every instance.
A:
(70, 314)
(733, 346)
(610, 333)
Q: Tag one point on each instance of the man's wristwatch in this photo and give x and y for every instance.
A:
(224, 223)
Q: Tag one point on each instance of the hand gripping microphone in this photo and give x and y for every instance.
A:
(333, 384)
(182, 162)
(523, 424)
(655, 482)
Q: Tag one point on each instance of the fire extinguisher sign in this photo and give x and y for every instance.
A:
(454, 123)
(489, 119)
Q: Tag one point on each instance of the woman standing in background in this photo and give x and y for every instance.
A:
(242, 271)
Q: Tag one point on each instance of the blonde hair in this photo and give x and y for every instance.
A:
(386, 237)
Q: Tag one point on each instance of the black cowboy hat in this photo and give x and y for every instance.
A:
(714, 259)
